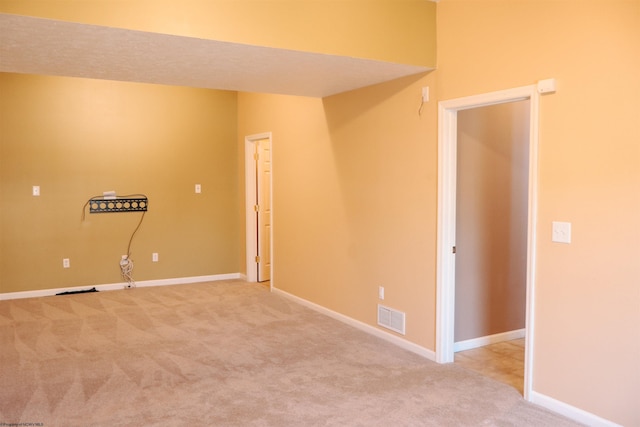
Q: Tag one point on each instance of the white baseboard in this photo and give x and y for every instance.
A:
(569, 411)
(489, 339)
(400, 342)
(122, 285)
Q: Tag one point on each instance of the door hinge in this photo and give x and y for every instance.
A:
(256, 156)
(258, 259)
(256, 208)
(453, 250)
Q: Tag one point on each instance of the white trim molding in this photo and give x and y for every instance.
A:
(569, 411)
(446, 232)
(393, 339)
(487, 340)
(122, 285)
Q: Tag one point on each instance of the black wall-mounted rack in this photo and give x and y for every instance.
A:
(119, 204)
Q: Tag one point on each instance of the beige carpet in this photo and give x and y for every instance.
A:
(226, 354)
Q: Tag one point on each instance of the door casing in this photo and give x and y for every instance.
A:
(447, 159)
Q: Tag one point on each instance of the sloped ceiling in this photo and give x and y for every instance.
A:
(32, 45)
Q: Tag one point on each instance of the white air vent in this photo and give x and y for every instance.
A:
(391, 319)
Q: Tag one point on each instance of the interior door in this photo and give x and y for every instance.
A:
(263, 208)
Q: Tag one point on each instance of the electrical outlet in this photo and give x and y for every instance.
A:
(198, 189)
(381, 292)
(154, 257)
(66, 263)
(35, 190)
(425, 94)
(561, 232)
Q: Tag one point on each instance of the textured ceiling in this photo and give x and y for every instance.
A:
(42, 46)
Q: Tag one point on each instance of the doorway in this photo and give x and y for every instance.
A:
(491, 239)
(258, 201)
(447, 185)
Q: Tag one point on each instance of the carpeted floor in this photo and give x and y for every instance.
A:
(226, 354)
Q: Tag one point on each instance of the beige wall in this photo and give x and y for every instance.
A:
(587, 293)
(386, 30)
(354, 199)
(491, 220)
(76, 138)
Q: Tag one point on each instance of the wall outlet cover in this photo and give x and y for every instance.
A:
(561, 232)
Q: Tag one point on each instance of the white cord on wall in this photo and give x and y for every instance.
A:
(126, 268)
(126, 263)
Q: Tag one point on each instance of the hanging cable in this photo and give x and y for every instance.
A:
(134, 233)
(126, 263)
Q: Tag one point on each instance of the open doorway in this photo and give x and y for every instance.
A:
(446, 250)
(258, 201)
(491, 240)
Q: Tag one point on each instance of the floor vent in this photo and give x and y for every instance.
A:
(391, 319)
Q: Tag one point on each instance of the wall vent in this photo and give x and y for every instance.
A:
(391, 319)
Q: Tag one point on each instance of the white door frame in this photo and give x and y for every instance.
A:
(447, 157)
(250, 192)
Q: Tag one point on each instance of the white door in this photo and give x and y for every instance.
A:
(263, 208)
(258, 194)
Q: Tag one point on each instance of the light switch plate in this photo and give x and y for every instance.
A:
(561, 232)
